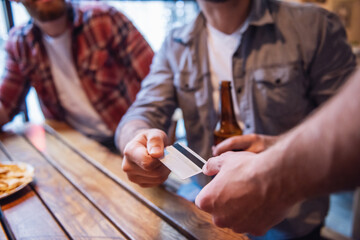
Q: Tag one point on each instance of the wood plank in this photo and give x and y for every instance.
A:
(4, 228)
(2, 233)
(77, 216)
(134, 218)
(184, 215)
(29, 219)
(3, 156)
(25, 214)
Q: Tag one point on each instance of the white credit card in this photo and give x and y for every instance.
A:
(183, 161)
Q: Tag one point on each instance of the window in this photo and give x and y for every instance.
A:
(3, 29)
(20, 14)
(3, 34)
(154, 19)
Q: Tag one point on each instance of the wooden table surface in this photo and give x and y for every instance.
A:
(80, 192)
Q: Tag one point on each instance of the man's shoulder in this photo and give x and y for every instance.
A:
(295, 11)
(19, 36)
(20, 31)
(306, 19)
(188, 32)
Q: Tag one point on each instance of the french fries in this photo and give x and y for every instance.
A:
(13, 175)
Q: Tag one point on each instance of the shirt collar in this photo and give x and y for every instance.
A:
(260, 13)
(259, 16)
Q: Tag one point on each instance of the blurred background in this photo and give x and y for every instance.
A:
(154, 19)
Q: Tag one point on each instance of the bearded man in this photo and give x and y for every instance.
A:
(284, 60)
(86, 65)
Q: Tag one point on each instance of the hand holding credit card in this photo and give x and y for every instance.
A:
(183, 161)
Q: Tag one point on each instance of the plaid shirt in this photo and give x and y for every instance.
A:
(110, 55)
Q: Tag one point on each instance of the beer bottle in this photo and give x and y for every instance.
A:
(227, 125)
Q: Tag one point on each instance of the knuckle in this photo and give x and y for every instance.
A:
(132, 178)
(156, 134)
(128, 150)
(204, 203)
(149, 165)
(163, 178)
(226, 155)
(233, 140)
(220, 221)
(125, 166)
(158, 180)
(253, 136)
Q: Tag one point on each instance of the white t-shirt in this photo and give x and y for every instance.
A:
(221, 48)
(79, 111)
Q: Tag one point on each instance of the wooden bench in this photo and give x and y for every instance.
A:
(81, 192)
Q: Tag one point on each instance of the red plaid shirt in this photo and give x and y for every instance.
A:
(110, 55)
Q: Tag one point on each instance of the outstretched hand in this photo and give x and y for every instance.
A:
(141, 158)
(255, 143)
(241, 197)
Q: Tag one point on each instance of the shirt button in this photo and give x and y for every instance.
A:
(247, 125)
(239, 90)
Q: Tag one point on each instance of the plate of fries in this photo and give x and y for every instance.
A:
(14, 176)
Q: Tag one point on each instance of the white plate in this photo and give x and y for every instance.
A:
(29, 170)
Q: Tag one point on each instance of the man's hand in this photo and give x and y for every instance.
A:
(141, 158)
(255, 143)
(241, 196)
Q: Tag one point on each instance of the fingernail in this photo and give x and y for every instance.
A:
(155, 150)
(204, 168)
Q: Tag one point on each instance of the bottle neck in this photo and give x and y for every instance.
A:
(227, 113)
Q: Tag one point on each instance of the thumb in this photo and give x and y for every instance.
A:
(213, 166)
(155, 143)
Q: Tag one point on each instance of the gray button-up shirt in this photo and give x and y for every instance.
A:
(291, 59)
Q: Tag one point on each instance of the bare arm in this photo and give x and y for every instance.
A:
(324, 151)
(253, 192)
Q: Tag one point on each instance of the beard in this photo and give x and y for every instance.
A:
(216, 1)
(45, 11)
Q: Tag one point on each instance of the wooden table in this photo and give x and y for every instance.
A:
(80, 192)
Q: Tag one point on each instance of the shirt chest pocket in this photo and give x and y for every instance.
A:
(187, 92)
(279, 91)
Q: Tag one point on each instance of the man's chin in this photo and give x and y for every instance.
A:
(216, 1)
(46, 11)
(49, 16)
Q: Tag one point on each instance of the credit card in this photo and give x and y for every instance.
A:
(182, 161)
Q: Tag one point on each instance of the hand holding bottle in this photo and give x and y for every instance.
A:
(255, 143)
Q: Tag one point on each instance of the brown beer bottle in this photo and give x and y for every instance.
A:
(227, 125)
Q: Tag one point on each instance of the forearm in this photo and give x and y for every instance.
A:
(128, 131)
(323, 154)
